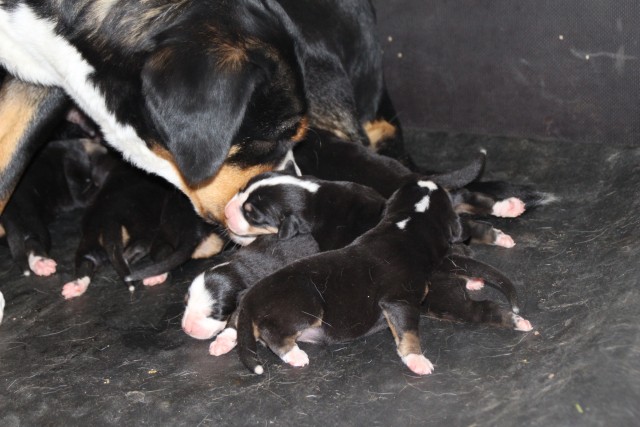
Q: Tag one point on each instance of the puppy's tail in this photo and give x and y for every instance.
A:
(501, 190)
(176, 259)
(463, 176)
(495, 279)
(247, 346)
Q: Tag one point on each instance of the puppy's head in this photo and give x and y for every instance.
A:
(424, 203)
(202, 318)
(275, 202)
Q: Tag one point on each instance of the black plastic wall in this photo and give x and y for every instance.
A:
(545, 69)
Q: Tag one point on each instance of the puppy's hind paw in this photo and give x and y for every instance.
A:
(521, 324)
(474, 284)
(508, 208)
(42, 266)
(224, 342)
(155, 280)
(418, 364)
(503, 240)
(296, 357)
(75, 288)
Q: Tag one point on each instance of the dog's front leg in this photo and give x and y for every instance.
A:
(28, 115)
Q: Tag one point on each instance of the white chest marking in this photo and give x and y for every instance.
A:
(31, 50)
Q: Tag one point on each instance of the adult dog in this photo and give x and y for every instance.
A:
(205, 93)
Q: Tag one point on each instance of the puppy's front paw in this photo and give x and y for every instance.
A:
(418, 364)
(155, 280)
(521, 324)
(42, 266)
(75, 288)
(296, 357)
(224, 343)
(503, 240)
(508, 208)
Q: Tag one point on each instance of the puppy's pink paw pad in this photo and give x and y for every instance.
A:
(42, 266)
(75, 288)
(418, 364)
(155, 280)
(522, 324)
(223, 344)
(504, 240)
(296, 357)
(475, 284)
(508, 208)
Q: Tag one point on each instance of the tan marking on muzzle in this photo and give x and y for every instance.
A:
(210, 197)
(379, 130)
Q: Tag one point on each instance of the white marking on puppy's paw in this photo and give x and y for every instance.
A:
(42, 266)
(503, 240)
(521, 324)
(508, 208)
(155, 280)
(75, 288)
(418, 364)
(296, 357)
(474, 284)
(224, 342)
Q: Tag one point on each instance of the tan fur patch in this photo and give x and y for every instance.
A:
(303, 127)
(409, 344)
(393, 329)
(3, 232)
(210, 246)
(100, 9)
(379, 130)
(125, 235)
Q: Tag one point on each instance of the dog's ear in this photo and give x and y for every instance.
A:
(196, 105)
(292, 226)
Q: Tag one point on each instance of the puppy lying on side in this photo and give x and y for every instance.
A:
(60, 179)
(379, 279)
(328, 157)
(125, 223)
(213, 296)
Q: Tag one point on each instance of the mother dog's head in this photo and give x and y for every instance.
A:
(223, 102)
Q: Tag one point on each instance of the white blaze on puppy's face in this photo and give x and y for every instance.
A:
(196, 321)
(423, 204)
(237, 223)
(428, 184)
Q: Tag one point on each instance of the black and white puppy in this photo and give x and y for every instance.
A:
(213, 296)
(380, 279)
(61, 178)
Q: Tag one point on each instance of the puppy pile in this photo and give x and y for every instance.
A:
(352, 250)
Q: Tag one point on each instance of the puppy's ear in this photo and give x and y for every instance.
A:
(292, 226)
(196, 105)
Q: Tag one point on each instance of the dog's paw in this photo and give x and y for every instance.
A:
(296, 357)
(503, 240)
(42, 266)
(155, 280)
(418, 364)
(224, 342)
(75, 288)
(474, 284)
(508, 208)
(521, 324)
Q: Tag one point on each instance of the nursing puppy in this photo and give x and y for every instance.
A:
(61, 178)
(380, 279)
(214, 295)
(135, 215)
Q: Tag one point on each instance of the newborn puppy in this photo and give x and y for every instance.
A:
(213, 296)
(182, 235)
(60, 179)
(379, 279)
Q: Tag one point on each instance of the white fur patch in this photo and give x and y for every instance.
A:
(289, 158)
(311, 187)
(200, 300)
(423, 204)
(1, 306)
(402, 224)
(428, 184)
(31, 50)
